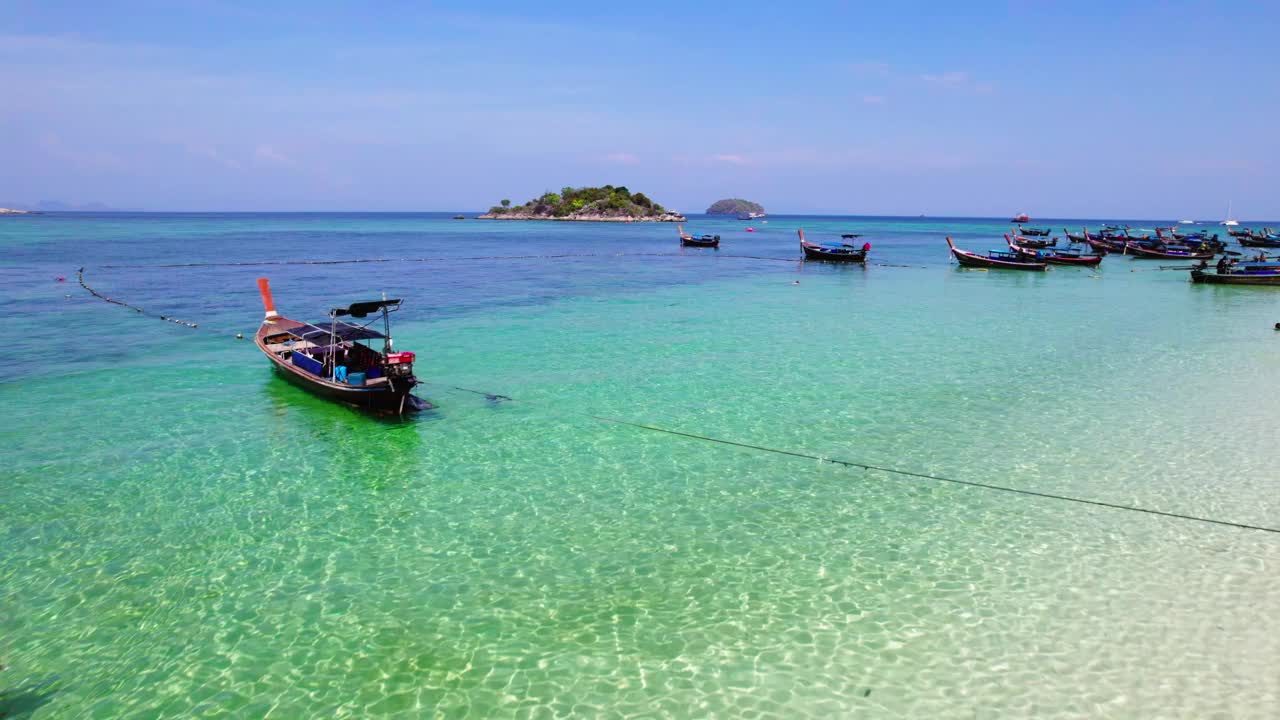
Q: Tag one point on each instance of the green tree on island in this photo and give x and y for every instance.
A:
(605, 201)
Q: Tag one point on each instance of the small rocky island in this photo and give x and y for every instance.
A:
(11, 211)
(599, 204)
(735, 206)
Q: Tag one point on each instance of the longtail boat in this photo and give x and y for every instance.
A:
(1053, 257)
(1107, 241)
(1033, 232)
(1077, 237)
(1165, 252)
(698, 240)
(1259, 240)
(1237, 232)
(1027, 242)
(994, 259)
(330, 359)
(1250, 275)
(835, 252)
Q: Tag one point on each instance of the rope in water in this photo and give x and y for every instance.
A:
(806, 456)
(906, 473)
(941, 478)
(561, 256)
(135, 308)
(256, 263)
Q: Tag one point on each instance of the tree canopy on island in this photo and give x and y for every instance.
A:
(608, 201)
(734, 206)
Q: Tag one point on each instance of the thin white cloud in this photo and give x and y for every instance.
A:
(731, 159)
(958, 81)
(272, 156)
(622, 158)
(949, 79)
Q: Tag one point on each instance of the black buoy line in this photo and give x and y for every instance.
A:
(497, 397)
(353, 261)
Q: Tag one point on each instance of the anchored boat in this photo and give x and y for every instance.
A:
(995, 259)
(698, 240)
(333, 359)
(1053, 257)
(844, 251)
(1165, 252)
(1256, 275)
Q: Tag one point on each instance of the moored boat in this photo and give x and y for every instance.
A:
(1021, 218)
(995, 259)
(1028, 242)
(1237, 277)
(1053, 257)
(698, 240)
(1165, 252)
(844, 251)
(332, 360)
(1259, 239)
(1033, 232)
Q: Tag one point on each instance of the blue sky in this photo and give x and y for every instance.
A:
(1080, 109)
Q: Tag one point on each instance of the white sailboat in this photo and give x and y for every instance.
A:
(1229, 222)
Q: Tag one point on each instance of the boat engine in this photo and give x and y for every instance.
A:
(399, 365)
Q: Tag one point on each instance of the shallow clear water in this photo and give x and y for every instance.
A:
(186, 534)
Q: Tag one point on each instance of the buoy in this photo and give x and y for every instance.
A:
(239, 336)
(61, 279)
(751, 229)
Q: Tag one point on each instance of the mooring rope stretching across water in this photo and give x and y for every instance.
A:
(791, 453)
(559, 256)
(941, 478)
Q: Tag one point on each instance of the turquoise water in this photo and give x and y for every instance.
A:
(186, 535)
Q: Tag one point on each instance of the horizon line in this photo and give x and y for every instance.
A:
(469, 212)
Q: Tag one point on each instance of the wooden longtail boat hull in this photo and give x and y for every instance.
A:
(1027, 242)
(306, 355)
(695, 242)
(1105, 246)
(1140, 252)
(1053, 257)
(842, 254)
(1201, 276)
(968, 259)
(816, 252)
(390, 395)
(1250, 241)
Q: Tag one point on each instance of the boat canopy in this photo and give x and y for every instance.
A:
(362, 309)
(344, 331)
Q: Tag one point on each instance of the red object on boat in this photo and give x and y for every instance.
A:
(399, 358)
(1021, 218)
